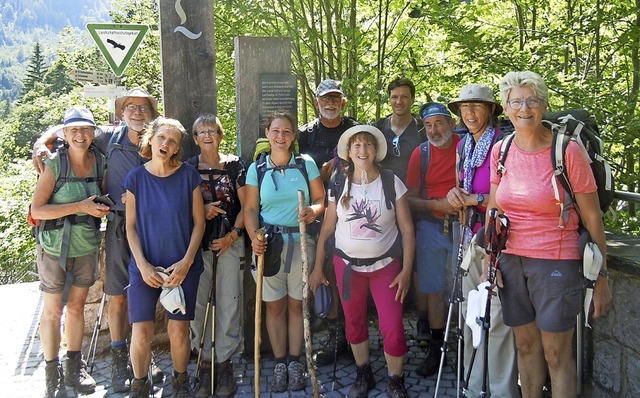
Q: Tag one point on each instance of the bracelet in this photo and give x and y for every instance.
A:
(239, 231)
(604, 273)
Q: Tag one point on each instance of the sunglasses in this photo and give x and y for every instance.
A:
(396, 149)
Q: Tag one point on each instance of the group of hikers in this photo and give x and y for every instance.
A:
(385, 204)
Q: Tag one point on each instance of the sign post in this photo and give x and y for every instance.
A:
(117, 42)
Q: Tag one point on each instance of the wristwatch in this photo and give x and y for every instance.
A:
(480, 199)
(239, 231)
(604, 273)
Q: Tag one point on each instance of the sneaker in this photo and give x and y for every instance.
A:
(157, 376)
(54, 379)
(296, 376)
(364, 382)
(180, 386)
(395, 387)
(327, 354)
(140, 388)
(225, 382)
(120, 371)
(204, 384)
(76, 376)
(423, 335)
(431, 363)
(279, 382)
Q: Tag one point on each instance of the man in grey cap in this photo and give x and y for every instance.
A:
(319, 137)
(120, 146)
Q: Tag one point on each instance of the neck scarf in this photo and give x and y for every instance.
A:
(475, 155)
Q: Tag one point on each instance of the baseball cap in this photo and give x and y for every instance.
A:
(433, 109)
(329, 86)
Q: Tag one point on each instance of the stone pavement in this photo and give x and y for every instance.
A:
(22, 363)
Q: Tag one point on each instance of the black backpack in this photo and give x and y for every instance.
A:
(579, 126)
(262, 168)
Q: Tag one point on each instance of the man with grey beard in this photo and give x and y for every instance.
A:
(432, 214)
(318, 139)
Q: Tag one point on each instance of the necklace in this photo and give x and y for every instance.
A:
(277, 167)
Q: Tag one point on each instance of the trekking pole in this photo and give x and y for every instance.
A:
(212, 298)
(209, 308)
(258, 320)
(495, 242)
(93, 344)
(455, 297)
(306, 311)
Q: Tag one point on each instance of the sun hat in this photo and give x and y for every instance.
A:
(343, 143)
(329, 86)
(171, 298)
(433, 109)
(75, 116)
(323, 301)
(475, 93)
(137, 92)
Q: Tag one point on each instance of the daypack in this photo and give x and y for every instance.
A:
(262, 168)
(115, 142)
(425, 158)
(572, 125)
(263, 146)
(338, 179)
(64, 177)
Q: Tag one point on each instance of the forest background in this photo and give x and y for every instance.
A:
(587, 51)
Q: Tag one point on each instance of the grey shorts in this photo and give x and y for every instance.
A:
(548, 292)
(53, 277)
(117, 255)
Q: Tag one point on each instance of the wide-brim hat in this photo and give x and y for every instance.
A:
(171, 298)
(476, 93)
(75, 116)
(343, 143)
(137, 92)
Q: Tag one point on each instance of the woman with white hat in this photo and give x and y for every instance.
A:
(478, 112)
(370, 239)
(69, 241)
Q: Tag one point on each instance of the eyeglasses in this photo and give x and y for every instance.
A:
(396, 149)
(207, 133)
(519, 104)
(330, 98)
(140, 108)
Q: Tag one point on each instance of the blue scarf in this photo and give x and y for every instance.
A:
(476, 153)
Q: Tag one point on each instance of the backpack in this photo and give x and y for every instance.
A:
(338, 179)
(262, 168)
(425, 158)
(579, 126)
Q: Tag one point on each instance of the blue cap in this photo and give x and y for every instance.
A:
(433, 109)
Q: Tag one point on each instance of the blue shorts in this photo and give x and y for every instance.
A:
(142, 300)
(433, 253)
(548, 292)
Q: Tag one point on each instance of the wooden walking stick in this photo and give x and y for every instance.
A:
(306, 311)
(258, 321)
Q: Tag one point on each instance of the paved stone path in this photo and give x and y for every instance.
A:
(22, 363)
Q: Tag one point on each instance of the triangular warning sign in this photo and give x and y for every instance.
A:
(117, 42)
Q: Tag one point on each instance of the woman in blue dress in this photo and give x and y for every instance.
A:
(165, 223)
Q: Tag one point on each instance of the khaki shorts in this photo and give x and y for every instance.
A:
(282, 284)
(53, 277)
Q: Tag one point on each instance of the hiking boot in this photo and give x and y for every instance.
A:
(364, 382)
(140, 388)
(76, 376)
(431, 363)
(225, 383)
(157, 376)
(279, 380)
(54, 379)
(327, 354)
(296, 376)
(180, 386)
(204, 384)
(120, 372)
(423, 335)
(395, 387)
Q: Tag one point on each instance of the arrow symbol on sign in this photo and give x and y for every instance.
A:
(115, 44)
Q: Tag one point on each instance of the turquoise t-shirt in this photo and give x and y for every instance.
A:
(280, 206)
(84, 239)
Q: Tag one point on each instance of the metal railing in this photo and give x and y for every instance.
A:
(627, 196)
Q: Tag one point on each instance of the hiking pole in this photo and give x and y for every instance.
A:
(455, 297)
(208, 307)
(93, 343)
(258, 321)
(306, 311)
(212, 298)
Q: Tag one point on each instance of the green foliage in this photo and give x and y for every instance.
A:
(35, 70)
(17, 245)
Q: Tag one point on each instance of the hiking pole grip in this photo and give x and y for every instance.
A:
(258, 320)
(306, 312)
